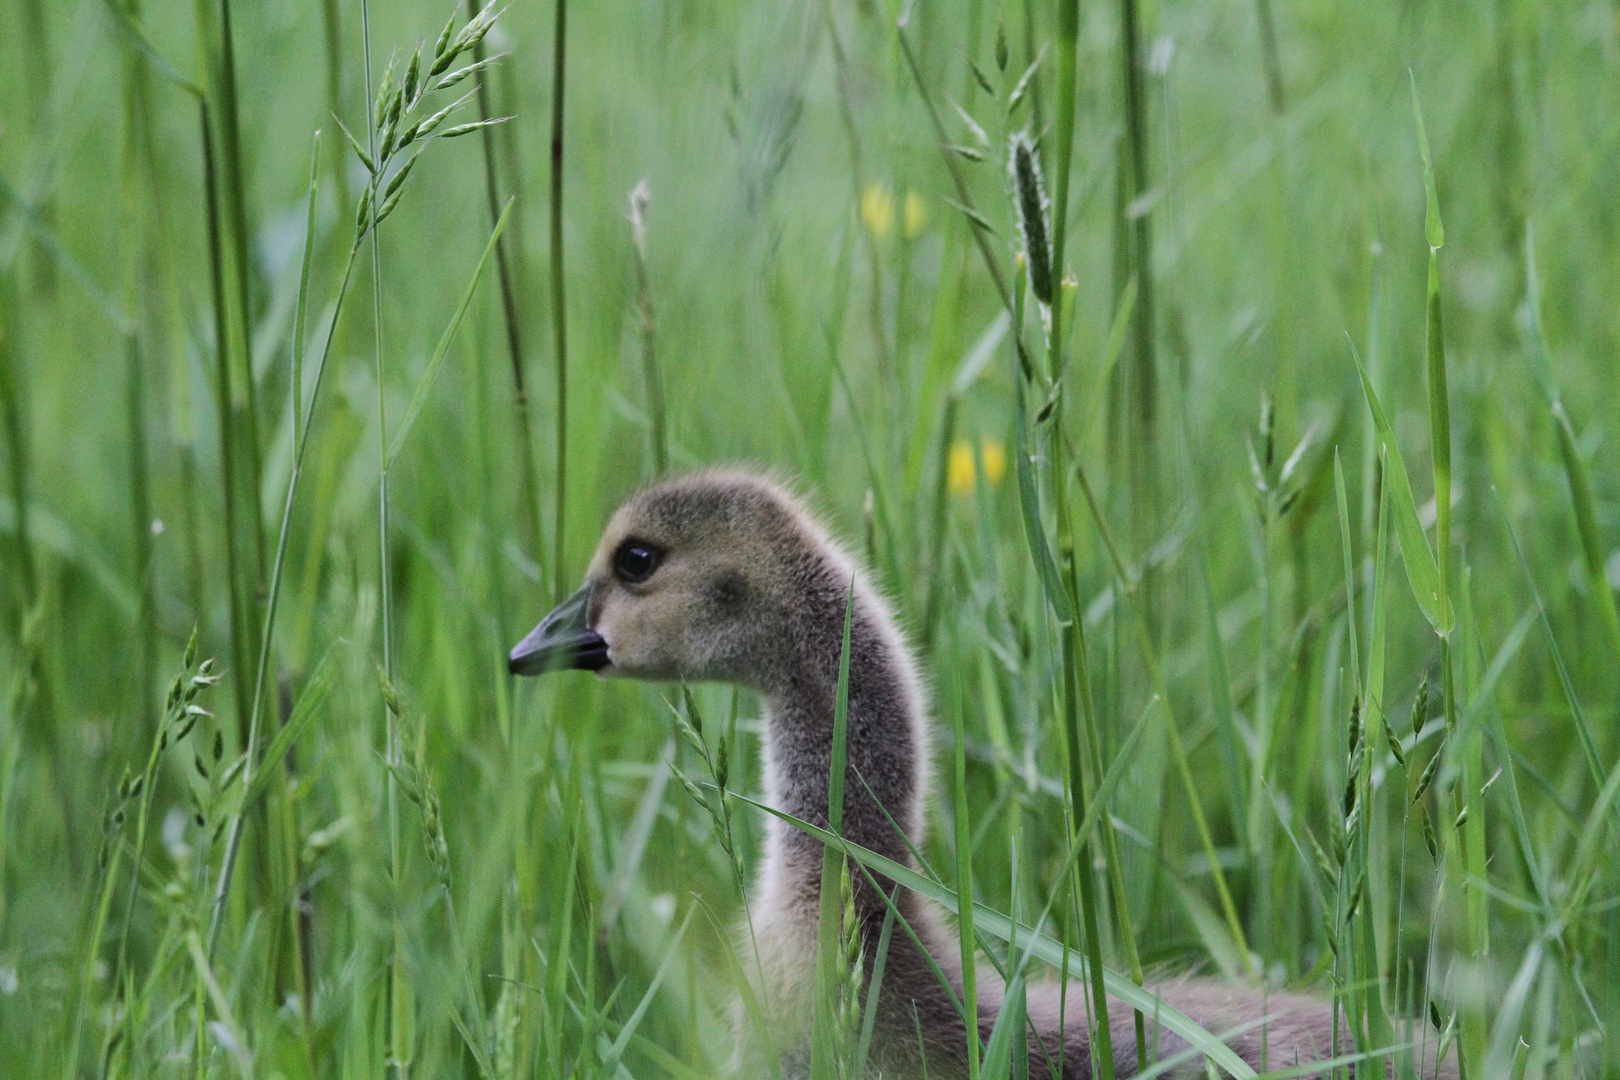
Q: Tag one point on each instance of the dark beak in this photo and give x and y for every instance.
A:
(561, 642)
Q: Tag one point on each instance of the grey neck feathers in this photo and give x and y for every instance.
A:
(885, 758)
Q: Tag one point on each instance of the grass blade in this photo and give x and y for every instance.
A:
(1421, 571)
(303, 714)
(964, 885)
(424, 385)
(1582, 501)
(615, 1054)
(1582, 728)
(824, 1051)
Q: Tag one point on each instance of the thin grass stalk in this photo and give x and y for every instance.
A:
(964, 881)
(1372, 1020)
(824, 1049)
(1074, 692)
(38, 56)
(1355, 680)
(1580, 486)
(238, 423)
(140, 501)
(182, 421)
(1475, 1031)
(1068, 32)
(1470, 807)
(11, 414)
(1110, 839)
(857, 178)
(222, 403)
(1144, 381)
(301, 311)
(1268, 55)
(1072, 637)
(300, 913)
(1229, 743)
(1373, 691)
(332, 47)
(1088, 716)
(639, 199)
(1359, 975)
(1126, 585)
(1255, 828)
(940, 522)
(509, 316)
(559, 307)
(718, 766)
(398, 1005)
(944, 326)
(235, 192)
(273, 597)
(111, 857)
(981, 234)
(1420, 708)
(1371, 462)
(562, 926)
(176, 722)
(17, 703)
(1439, 428)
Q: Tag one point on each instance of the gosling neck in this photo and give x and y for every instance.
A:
(885, 747)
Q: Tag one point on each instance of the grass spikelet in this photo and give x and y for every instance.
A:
(640, 199)
(851, 977)
(1032, 207)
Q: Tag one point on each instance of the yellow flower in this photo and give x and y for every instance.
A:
(916, 215)
(877, 210)
(962, 471)
(959, 468)
(993, 459)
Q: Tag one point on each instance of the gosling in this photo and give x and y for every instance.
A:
(726, 576)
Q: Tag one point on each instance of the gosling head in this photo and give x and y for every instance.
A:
(702, 577)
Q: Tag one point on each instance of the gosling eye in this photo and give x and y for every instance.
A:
(635, 561)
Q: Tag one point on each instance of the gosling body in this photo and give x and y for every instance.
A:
(725, 575)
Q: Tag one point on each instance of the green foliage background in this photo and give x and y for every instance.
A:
(814, 292)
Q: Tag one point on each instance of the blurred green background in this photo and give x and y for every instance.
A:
(812, 300)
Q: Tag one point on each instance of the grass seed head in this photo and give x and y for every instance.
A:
(1427, 776)
(443, 43)
(981, 78)
(1394, 744)
(467, 72)
(413, 76)
(384, 85)
(1030, 199)
(640, 198)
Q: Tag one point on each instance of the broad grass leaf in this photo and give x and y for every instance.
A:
(303, 714)
(1421, 570)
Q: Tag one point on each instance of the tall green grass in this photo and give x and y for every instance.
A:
(1337, 718)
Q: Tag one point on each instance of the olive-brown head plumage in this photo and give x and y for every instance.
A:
(698, 577)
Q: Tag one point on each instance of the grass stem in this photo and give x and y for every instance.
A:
(272, 604)
(640, 198)
(530, 522)
(559, 306)
(399, 1019)
(1143, 381)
